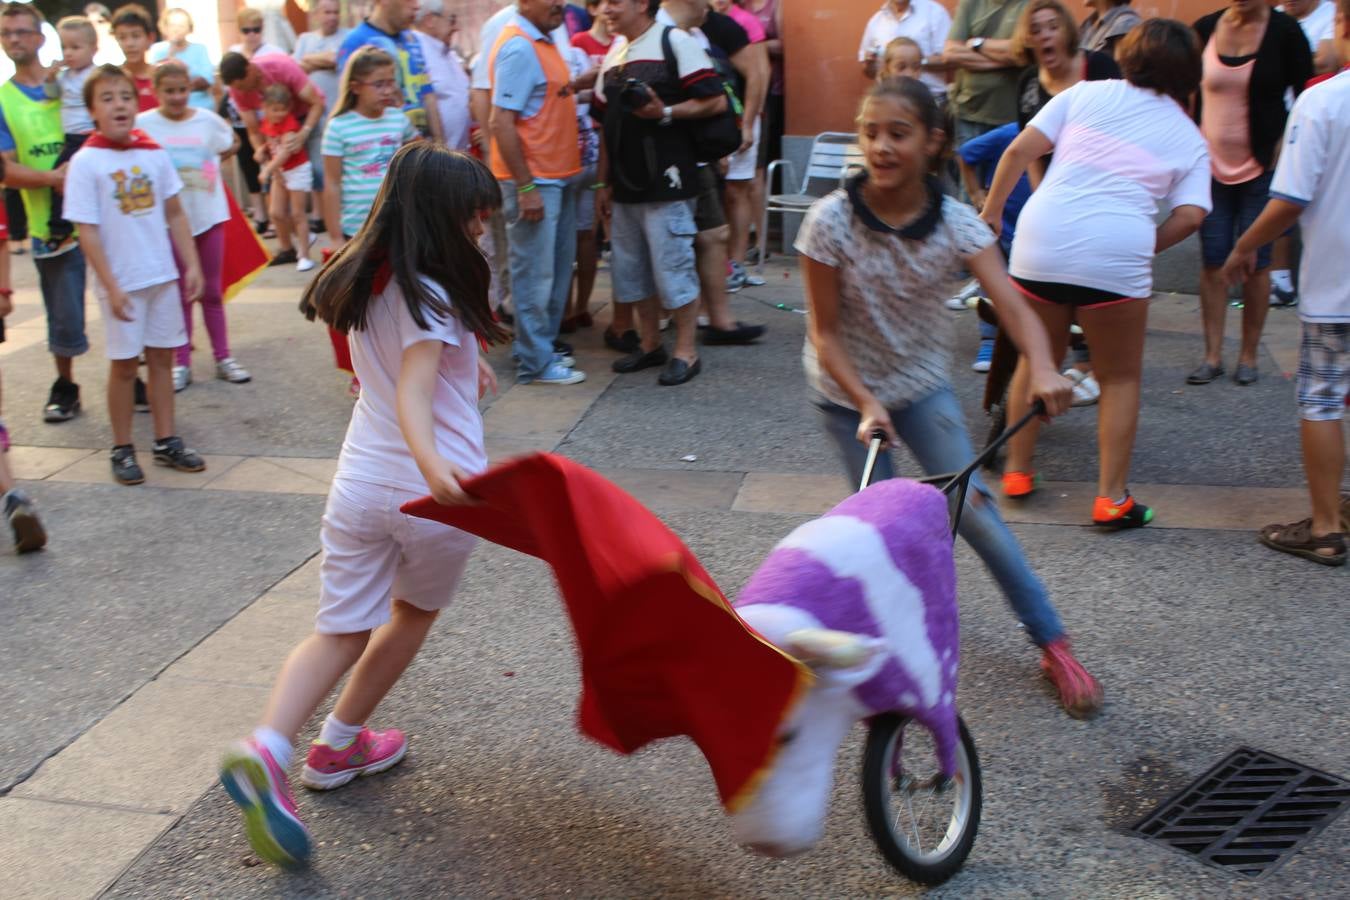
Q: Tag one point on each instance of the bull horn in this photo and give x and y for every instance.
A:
(829, 649)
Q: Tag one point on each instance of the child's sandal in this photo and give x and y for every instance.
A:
(1297, 539)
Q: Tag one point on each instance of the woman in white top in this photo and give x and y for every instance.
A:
(1086, 239)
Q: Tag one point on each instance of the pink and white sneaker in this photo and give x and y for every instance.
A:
(258, 786)
(369, 752)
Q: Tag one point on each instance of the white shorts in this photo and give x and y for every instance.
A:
(741, 165)
(301, 178)
(372, 553)
(156, 321)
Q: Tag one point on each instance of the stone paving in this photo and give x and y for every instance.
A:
(147, 634)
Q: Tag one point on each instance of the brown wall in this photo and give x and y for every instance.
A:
(820, 46)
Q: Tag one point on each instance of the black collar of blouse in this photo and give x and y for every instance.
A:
(917, 230)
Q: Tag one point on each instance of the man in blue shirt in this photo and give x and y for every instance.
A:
(31, 138)
(387, 28)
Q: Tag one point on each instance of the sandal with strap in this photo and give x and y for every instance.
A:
(1297, 539)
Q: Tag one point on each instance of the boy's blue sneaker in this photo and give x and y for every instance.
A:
(985, 357)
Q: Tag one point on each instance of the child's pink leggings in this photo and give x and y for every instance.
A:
(211, 252)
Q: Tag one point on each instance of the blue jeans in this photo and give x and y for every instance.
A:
(61, 279)
(935, 432)
(542, 254)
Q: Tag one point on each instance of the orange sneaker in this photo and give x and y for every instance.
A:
(1019, 484)
(1079, 692)
(1107, 513)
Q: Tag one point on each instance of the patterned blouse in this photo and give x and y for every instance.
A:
(892, 321)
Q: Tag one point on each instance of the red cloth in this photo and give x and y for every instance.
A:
(662, 652)
(245, 255)
(145, 93)
(136, 140)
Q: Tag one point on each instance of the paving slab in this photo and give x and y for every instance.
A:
(131, 579)
(90, 845)
(499, 796)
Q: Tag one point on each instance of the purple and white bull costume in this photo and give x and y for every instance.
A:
(866, 595)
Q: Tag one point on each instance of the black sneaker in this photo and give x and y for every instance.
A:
(63, 404)
(562, 347)
(125, 469)
(139, 398)
(284, 257)
(623, 343)
(171, 452)
(23, 518)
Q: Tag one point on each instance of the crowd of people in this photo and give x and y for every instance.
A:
(648, 123)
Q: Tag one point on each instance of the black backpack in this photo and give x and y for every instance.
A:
(717, 136)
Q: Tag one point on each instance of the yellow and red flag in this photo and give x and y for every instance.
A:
(662, 653)
(245, 255)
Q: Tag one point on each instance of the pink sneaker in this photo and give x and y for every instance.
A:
(368, 753)
(257, 784)
(1078, 691)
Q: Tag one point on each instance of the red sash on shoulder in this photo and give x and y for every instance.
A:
(138, 140)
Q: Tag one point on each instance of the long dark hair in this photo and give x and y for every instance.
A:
(419, 225)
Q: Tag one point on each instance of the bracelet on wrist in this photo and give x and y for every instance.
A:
(598, 185)
(526, 188)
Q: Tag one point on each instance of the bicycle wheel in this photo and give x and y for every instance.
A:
(923, 825)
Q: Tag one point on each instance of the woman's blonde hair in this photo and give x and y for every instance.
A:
(248, 16)
(176, 10)
(359, 65)
(1021, 36)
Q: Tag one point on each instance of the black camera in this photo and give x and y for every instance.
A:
(634, 95)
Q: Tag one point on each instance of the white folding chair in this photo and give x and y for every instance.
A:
(834, 155)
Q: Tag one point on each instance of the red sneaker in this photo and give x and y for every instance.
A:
(1078, 691)
(369, 752)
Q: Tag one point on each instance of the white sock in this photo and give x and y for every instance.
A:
(276, 744)
(1281, 279)
(338, 734)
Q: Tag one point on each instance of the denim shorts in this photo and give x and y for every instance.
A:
(61, 279)
(653, 252)
(1236, 207)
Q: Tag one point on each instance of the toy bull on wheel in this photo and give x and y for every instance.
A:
(866, 595)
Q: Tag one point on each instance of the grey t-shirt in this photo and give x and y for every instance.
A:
(891, 289)
(326, 80)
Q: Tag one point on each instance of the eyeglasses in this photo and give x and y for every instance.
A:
(18, 33)
(257, 30)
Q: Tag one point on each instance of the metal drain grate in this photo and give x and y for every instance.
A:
(1248, 814)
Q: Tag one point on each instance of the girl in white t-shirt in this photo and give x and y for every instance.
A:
(410, 291)
(1087, 237)
(198, 142)
(879, 258)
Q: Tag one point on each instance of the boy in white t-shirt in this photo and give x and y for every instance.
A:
(122, 190)
(1311, 186)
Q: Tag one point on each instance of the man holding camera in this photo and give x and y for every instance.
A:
(648, 177)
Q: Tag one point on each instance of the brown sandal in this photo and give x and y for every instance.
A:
(1297, 538)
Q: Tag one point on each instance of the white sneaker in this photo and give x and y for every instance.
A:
(229, 370)
(556, 374)
(961, 300)
(304, 264)
(1086, 391)
(562, 359)
(182, 377)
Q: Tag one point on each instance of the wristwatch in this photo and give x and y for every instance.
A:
(667, 115)
(975, 43)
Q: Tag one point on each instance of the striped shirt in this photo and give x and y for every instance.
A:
(365, 147)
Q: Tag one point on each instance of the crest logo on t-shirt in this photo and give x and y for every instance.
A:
(134, 194)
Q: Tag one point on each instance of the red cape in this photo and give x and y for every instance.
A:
(662, 652)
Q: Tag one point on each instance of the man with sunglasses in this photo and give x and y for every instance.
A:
(387, 27)
(31, 139)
